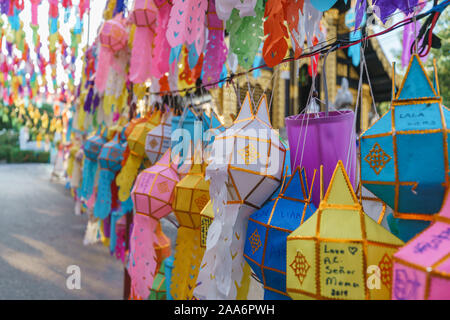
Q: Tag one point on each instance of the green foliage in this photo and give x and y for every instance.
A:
(26, 156)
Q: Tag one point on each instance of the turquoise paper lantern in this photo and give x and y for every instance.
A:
(268, 229)
(404, 155)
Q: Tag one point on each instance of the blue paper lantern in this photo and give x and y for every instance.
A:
(268, 229)
(404, 155)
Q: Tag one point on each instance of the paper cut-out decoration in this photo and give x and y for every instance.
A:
(92, 148)
(267, 231)
(192, 195)
(113, 37)
(246, 8)
(152, 195)
(248, 159)
(187, 24)
(316, 139)
(161, 50)
(144, 16)
(168, 266)
(216, 49)
(422, 266)
(110, 160)
(158, 140)
(245, 34)
(329, 262)
(404, 155)
(136, 144)
(275, 45)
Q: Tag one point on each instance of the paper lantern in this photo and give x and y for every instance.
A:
(136, 145)
(158, 291)
(92, 148)
(267, 231)
(185, 122)
(110, 160)
(192, 195)
(158, 140)
(206, 218)
(329, 255)
(404, 155)
(113, 37)
(422, 266)
(317, 139)
(144, 16)
(152, 196)
(246, 168)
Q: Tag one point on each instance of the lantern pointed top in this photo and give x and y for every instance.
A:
(340, 190)
(263, 111)
(416, 83)
(246, 112)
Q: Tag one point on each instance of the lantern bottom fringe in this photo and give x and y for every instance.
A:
(89, 171)
(103, 202)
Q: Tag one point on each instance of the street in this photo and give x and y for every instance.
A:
(40, 237)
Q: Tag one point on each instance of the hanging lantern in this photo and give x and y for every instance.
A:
(136, 145)
(110, 160)
(329, 262)
(268, 228)
(152, 196)
(168, 267)
(422, 266)
(404, 155)
(206, 218)
(317, 139)
(191, 196)
(246, 168)
(113, 37)
(144, 16)
(92, 148)
(158, 140)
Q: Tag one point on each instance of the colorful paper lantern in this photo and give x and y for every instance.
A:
(192, 195)
(158, 140)
(136, 145)
(152, 196)
(144, 13)
(113, 37)
(110, 160)
(317, 139)
(422, 266)
(404, 155)
(246, 168)
(92, 148)
(268, 228)
(329, 255)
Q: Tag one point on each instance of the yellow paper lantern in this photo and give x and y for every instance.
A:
(332, 254)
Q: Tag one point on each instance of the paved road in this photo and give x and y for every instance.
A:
(40, 237)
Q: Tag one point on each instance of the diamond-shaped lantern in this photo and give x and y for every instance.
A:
(152, 196)
(404, 155)
(136, 145)
(110, 160)
(113, 34)
(268, 228)
(422, 266)
(92, 148)
(246, 167)
(192, 195)
(333, 253)
(158, 140)
(144, 13)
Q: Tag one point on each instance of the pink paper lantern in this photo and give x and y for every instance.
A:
(422, 266)
(144, 13)
(114, 34)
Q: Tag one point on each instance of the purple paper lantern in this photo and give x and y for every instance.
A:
(316, 139)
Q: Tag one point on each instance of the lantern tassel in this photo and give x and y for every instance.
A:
(141, 55)
(102, 206)
(127, 175)
(125, 207)
(104, 61)
(89, 170)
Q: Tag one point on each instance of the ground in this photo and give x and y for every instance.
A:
(40, 237)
